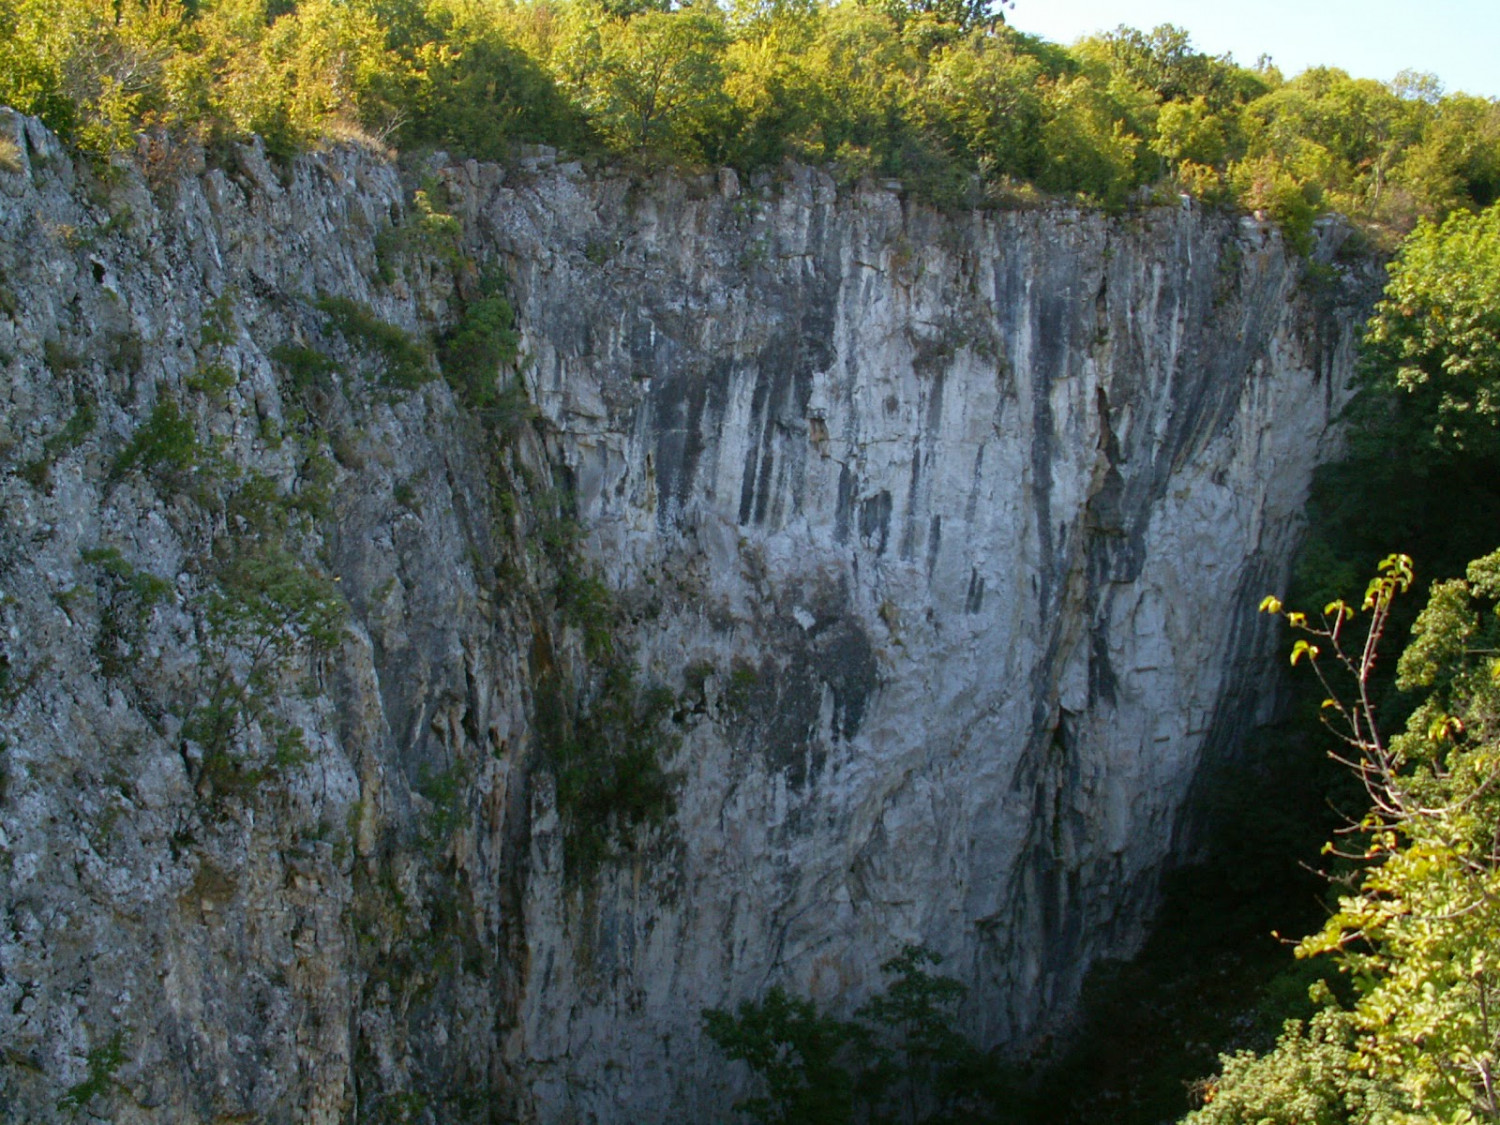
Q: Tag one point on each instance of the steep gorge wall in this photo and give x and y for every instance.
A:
(941, 534)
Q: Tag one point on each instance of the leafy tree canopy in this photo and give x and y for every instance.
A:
(1437, 333)
(899, 1059)
(938, 92)
(1417, 932)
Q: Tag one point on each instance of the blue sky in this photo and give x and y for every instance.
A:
(1458, 40)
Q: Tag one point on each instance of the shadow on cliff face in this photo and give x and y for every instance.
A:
(691, 404)
(1213, 977)
(816, 649)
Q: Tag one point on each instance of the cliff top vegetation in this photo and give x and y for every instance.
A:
(938, 93)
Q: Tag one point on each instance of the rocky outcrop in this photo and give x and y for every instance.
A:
(899, 568)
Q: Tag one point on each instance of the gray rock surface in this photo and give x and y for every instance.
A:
(941, 537)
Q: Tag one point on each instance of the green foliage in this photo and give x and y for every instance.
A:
(129, 596)
(1417, 929)
(899, 1059)
(404, 363)
(584, 600)
(480, 92)
(1189, 133)
(78, 427)
(444, 792)
(938, 92)
(427, 231)
(987, 96)
(610, 781)
(1423, 447)
(1437, 333)
(309, 368)
(656, 82)
(1264, 184)
(165, 445)
(1090, 148)
(402, 1107)
(1336, 139)
(924, 1070)
(604, 742)
(213, 725)
(1454, 160)
(269, 601)
(319, 71)
(439, 229)
(1163, 60)
(1413, 927)
(1307, 1080)
(796, 1052)
(59, 360)
(10, 162)
(86, 70)
(213, 380)
(267, 611)
(217, 330)
(103, 1062)
(475, 352)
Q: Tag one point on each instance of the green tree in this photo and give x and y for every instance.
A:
(901, 1058)
(1189, 131)
(939, 93)
(1162, 61)
(796, 1051)
(1455, 160)
(1341, 138)
(1418, 930)
(317, 72)
(1424, 449)
(1089, 144)
(962, 15)
(473, 88)
(91, 71)
(981, 95)
(924, 1069)
(653, 82)
(776, 103)
(864, 77)
(1437, 333)
(1306, 1080)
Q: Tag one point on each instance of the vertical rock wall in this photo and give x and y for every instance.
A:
(961, 521)
(941, 535)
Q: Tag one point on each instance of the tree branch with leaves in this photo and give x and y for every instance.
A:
(1418, 933)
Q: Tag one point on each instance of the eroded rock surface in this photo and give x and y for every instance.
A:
(936, 539)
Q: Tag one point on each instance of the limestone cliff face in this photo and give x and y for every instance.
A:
(941, 535)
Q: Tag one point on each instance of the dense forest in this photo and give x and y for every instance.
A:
(939, 93)
(1403, 1024)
